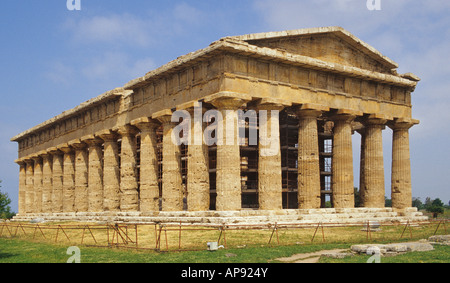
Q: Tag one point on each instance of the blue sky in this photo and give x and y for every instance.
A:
(53, 59)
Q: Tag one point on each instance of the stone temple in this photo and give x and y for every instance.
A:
(113, 158)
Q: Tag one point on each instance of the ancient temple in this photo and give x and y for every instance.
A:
(115, 154)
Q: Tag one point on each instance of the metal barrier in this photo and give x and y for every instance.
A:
(130, 235)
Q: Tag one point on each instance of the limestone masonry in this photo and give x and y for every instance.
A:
(113, 156)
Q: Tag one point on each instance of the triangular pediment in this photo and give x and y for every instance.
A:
(331, 44)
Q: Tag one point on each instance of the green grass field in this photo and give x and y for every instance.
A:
(242, 246)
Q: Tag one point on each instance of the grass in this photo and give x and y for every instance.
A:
(243, 246)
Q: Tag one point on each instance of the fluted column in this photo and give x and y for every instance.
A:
(22, 186)
(372, 190)
(57, 179)
(47, 182)
(37, 184)
(111, 171)
(172, 189)
(401, 190)
(228, 169)
(29, 184)
(36, 205)
(308, 157)
(342, 161)
(81, 176)
(129, 196)
(68, 178)
(95, 173)
(149, 189)
(198, 198)
(269, 158)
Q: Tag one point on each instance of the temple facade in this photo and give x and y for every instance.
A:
(316, 87)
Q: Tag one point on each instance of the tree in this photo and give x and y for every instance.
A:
(436, 206)
(5, 209)
(416, 202)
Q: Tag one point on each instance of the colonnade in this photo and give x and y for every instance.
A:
(99, 172)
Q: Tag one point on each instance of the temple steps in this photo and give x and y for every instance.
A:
(329, 216)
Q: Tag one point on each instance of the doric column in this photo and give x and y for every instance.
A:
(148, 186)
(269, 158)
(111, 171)
(198, 195)
(95, 173)
(342, 161)
(22, 186)
(372, 188)
(308, 156)
(57, 179)
(81, 176)
(172, 189)
(228, 169)
(129, 197)
(401, 193)
(47, 185)
(29, 184)
(36, 206)
(68, 178)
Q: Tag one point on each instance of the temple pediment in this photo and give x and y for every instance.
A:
(330, 44)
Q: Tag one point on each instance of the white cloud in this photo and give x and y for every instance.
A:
(112, 29)
(59, 73)
(117, 67)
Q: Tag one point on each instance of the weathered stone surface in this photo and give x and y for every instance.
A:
(342, 167)
(129, 198)
(308, 157)
(149, 189)
(111, 171)
(172, 189)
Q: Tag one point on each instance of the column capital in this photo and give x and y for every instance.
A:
(66, 148)
(55, 151)
(44, 154)
(145, 124)
(29, 160)
(92, 140)
(126, 130)
(311, 110)
(345, 115)
(77, 144)
(164, 116)
(107, 135)
(269, 104)
(403, 124)
(34, 158)
(228, 100)
(20, 162)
